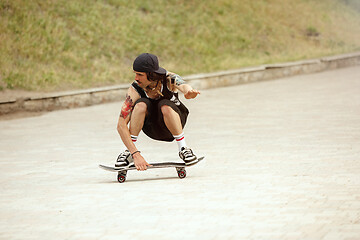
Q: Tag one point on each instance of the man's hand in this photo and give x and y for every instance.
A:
(140, 163)
(191, 94)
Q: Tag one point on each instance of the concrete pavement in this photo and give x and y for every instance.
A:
(282, 162)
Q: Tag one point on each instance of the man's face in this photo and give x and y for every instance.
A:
(141, 79)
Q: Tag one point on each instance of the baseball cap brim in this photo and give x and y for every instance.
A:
(161, 70)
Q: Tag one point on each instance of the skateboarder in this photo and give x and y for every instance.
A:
(152, 105)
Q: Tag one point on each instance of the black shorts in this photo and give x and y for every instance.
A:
(154, 125)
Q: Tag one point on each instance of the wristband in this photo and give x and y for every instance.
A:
(132, 155)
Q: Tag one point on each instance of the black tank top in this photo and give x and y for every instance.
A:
(167, 94)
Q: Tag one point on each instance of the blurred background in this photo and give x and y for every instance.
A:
(52, 45)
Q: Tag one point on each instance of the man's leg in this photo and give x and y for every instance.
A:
(136, 123)
(173, 123)
(172, 120)
(137, 119)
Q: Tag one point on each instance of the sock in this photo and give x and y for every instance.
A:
(134, 138)
(180, 140)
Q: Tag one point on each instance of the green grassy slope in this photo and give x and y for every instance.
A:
(58, 44)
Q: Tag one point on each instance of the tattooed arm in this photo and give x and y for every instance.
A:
(175, 79)
(131, 97)
(176, 82)
(127, 107)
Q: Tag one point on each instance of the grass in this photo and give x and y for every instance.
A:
(48, 45)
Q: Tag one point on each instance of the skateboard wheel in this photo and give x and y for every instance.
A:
(182, 173)
(121, 177)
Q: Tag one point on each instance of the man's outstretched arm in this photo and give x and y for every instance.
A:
(179, 83)
(188, 91)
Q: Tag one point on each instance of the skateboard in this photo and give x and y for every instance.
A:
(122, 171)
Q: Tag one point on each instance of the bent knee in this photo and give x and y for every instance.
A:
(140, 107)
(167, 110)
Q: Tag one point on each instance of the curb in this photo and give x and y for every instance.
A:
(88, 97)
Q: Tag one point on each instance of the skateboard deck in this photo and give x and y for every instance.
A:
(122, 171)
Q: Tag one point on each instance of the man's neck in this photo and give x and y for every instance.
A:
(152, 85)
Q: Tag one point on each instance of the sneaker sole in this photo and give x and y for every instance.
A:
(192, 162)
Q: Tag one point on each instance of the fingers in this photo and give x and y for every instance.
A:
(192, 94)
(196, 92)
(143, 166)
(140, 163)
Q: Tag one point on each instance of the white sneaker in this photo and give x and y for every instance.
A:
(187, 155)
(124, 159)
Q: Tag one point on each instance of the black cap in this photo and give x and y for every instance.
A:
(147, 62)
